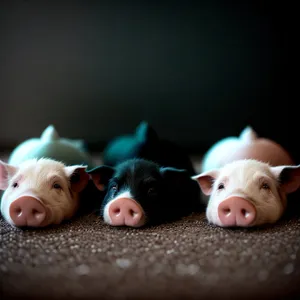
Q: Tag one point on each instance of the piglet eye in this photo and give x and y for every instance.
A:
(151, 191)
(265, 186)
(114, 187)
(57, 186)
(221, 186)
(15, 185)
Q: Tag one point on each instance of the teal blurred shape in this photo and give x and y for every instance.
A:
(51, 145)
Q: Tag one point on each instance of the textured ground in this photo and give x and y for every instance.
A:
(188, 259)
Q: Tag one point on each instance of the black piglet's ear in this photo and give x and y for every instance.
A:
(101, 175)
(174, 173)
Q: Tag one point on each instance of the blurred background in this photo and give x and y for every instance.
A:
(196, 71)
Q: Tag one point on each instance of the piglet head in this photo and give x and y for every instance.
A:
(119, 207)
(247, 192)
(40, 192)
(139, 192)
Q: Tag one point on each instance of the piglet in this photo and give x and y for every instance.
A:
(40, 192)
(247, 192)
(248, 145)
(138, 191)
(145, 143)
(51, 145)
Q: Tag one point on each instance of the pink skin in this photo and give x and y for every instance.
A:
(125, 211)
(28, 211)
(40, 192)
(236, 211)
(247, 146)
(230, 186)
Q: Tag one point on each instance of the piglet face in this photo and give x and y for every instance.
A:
(139, 192)
(247, 192)
(128, 197)
(40, 192)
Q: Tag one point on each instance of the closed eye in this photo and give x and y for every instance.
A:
(114, 187)
(151, 191)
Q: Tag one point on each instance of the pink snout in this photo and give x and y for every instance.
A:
(27, 211)
(126, 211)
(236, 211)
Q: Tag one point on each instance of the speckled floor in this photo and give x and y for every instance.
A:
(187, 259)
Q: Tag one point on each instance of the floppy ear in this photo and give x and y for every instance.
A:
(169, 171)
(177, 176)
(145, 133)
(6, 172)
(206, 180)
(288, 177)
(78, 177)
(101, 175)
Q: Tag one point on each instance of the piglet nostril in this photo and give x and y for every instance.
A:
(133, 213)
(18, 211)
(37, 215)
(116, 211)
(245, 213)
(226, 211)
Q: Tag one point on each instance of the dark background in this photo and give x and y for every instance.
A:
(196, 71)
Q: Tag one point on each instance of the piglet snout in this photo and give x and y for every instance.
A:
(236, 211)
(126, 211)
(27, 211)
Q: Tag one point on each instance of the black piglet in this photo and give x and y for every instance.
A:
(139, 192)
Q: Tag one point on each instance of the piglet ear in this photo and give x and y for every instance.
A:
(78, 177)
(176, 176)
(6, 172)
(49, 134)
(169, 171)
(248, 135)
(101, 175)
(206, 180)
(145, 133)
(288, 177)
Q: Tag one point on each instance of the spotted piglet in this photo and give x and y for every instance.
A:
(139, 192)
(248, 192)
(40, 192)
